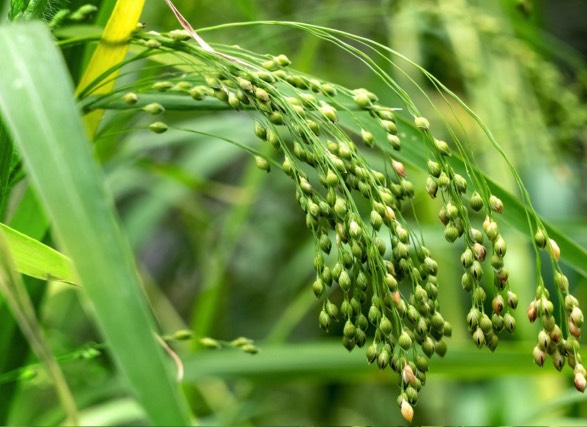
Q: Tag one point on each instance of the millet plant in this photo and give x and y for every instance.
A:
(374, 272)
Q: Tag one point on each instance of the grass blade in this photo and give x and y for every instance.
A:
(24, 312)
(37, 106)
(35, 259)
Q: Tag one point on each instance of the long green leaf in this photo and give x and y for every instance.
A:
(35, 259)
(328, 360)
(36, 101)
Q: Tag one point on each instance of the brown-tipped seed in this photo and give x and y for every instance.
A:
(510, 322)
(499, 246)
(532, 312)
(479, 252)
(497, 304)
(512, 300)
(407, 411)
(495, 204)
(539, 356)
(383, 359)
(558, 360)
(479, 337)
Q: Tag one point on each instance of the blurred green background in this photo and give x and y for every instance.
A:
(225, 252)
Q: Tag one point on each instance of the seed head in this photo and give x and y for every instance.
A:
(153, 44)
(328, 89)
(539, 356)
(451, 233)
(561, 281)
(532, 312)
(394, 141)
(282, 60)
(328, 111)
(497, 304)
(398, 167)
(442, 146)
(367, 138)
(495, 204)
(422, 123)
(355, 229)
(405, 341)
(460, 183)
(407, 374)
(209, 343)
(179, 35)
(362, 100)
(577, 317)
(479, 337)
(154, 108)
(344, 281)
(372, 353)
(385, 326)
(499, 246)
(431, 187)
(510, 322)
(383, 359)
(130, 98)
(580, 382)
(324, 320)
(540, 239)
(434, 168)
(554, 249)
(158, 127)
(476, 201)
(262, 163)
(512, 300)
(407, 411)
(440, 348)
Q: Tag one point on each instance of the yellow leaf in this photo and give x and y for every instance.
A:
(112, 49)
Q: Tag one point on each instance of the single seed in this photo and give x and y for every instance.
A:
(158, 127)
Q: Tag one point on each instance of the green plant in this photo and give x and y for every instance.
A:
(346, 154)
